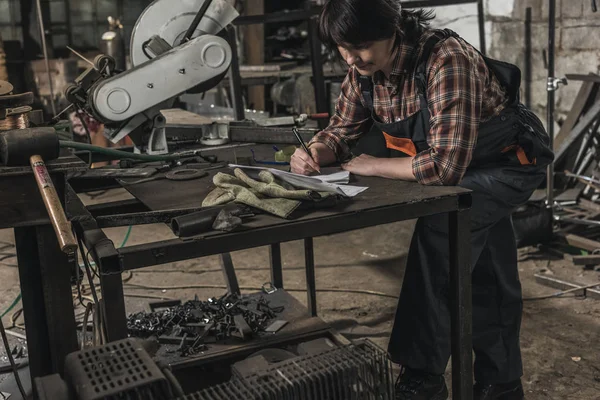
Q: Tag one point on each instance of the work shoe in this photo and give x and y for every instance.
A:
(503, 391)
(418, 385)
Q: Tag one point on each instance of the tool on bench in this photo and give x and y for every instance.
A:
(31, 146)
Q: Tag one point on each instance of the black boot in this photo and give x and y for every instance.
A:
(418, 385)
(502, 391)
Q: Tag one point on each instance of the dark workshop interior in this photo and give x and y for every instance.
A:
(289, 199)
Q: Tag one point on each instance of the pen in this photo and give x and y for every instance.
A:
(302, 143)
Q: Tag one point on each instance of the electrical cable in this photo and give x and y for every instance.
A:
(11, 360)
(14, 303)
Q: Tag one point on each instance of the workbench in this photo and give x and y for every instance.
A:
(385, 201)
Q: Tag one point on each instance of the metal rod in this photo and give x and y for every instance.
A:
(550, 105)
(276, 267)
(461, 305)
(528, 57)
(81, 56)
(235, 80)
(45, 50)
(196, 21)
(317, 69)
(481, 22)
(311, 286)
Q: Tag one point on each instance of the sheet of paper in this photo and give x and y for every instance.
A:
(335, 183)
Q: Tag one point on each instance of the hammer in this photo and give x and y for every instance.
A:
(32, 146)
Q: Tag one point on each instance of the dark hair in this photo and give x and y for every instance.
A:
(356, 22)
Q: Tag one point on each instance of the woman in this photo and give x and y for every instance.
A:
(448, 116)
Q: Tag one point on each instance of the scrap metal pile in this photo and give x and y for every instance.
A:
(196, 323)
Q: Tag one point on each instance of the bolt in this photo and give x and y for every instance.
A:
(150, 85)
(182, 71)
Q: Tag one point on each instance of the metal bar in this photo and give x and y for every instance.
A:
(586, 260)
(435, 3)
(280, 16)
(46, 53)
(564, 285)
(461, 307)
(481, 23)
(68, 22)
(582, 242)
(32, 293)
(95, 18)
(58, 301)
(116, 207)
(139, 256)
(579, 129)
(528, 54)
(106, 257)
(235, 79)
(276, 265)
(260, 134)
(584, 78)
(550, 105)
(311, 285)
(317, 70)
(229, 274)
(142, 218)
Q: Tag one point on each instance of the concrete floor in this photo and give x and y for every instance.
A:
(560, 337)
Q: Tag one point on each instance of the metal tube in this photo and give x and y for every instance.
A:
(311, 287)
(481, 22)
(317, 69)
(528, 57)
(550, 105)
(45, 50)
(461, 307)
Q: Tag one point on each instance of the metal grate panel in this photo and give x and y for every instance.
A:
(120, 369)
(360, 371)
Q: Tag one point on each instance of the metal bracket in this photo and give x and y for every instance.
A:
(554, 83)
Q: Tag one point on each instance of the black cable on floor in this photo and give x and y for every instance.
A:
(11, 360)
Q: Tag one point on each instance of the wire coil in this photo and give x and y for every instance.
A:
(20, 121)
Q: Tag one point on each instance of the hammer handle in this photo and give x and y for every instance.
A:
(59, 220)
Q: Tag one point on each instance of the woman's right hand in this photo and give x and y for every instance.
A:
(301, 163)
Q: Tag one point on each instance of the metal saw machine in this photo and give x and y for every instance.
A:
(176, 47)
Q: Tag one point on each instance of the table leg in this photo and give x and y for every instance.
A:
(462, 312)
(276, 266)
(229, 273)
(115, 322)
(311, 288)
(45, 278)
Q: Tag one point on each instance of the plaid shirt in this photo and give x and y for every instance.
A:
(461, 93)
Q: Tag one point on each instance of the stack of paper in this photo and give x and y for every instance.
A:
(336, 182)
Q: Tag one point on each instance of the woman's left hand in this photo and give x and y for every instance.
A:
(364, 165)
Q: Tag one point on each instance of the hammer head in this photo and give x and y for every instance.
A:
(17, 146)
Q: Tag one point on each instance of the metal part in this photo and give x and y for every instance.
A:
(196, 322)
(5, 88)
(215, 134)
(553, 84)
(125, 95)
(555, 283)
(172, 19)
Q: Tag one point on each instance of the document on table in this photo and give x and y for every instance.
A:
(336, 182)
